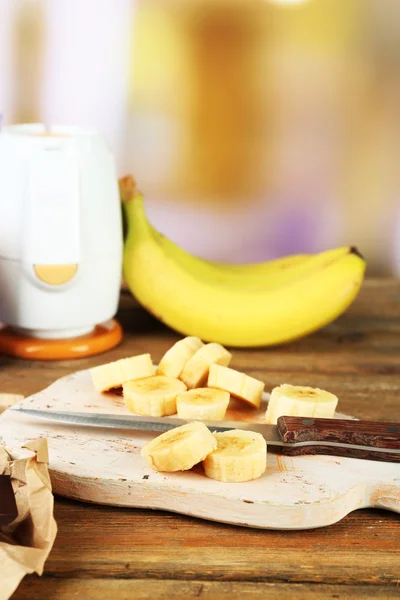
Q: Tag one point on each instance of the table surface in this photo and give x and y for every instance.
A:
(114, 553)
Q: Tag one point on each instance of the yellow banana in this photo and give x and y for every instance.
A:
(261, 268)
(239, 456)
(175, 359)
(238, 384)
(248, 275)
(300, 401)
(203, 403)
(115, 374)
(153, 396)
(179, 449)
(272, 311)
(196, 370)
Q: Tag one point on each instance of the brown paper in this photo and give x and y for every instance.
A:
(26, 543)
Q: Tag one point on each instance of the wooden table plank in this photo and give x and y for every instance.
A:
(147, 589)
(106, 552)
(97, 541)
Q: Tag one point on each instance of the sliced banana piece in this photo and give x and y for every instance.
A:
(179, 449)
(300, 401)
(196, 370)
(239, 456)
(114, 374)
(174, 360)
(238, 384)
(203, 403)
(153, 396)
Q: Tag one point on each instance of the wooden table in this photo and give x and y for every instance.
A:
(112, 553)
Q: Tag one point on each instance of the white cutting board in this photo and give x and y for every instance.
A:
(104, 466)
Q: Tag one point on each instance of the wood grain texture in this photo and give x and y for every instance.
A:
(365, 433)
(147, 589)
(109, 543)
(102, 552)
(360, 433)
(342, 451)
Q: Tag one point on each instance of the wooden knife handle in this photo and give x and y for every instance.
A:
(371, 434)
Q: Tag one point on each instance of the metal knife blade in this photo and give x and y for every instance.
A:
(138, 423)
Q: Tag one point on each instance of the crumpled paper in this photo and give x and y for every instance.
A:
(26, 542)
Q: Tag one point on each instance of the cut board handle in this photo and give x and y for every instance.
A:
(371, 434)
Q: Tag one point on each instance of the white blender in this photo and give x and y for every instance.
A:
(60, 243)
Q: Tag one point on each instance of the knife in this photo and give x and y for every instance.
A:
(292, 435)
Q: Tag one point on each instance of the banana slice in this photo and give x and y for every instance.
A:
(113, 375)
(174, 360)
(179, 449)
(153, 396)
(298, 401)
(239, 456)
(203, 403)
(238, 384)
(196, 370)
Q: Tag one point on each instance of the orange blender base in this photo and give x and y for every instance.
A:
(102, 338)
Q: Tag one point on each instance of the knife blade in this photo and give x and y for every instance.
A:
(292, 435)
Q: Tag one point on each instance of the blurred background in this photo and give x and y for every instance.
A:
(255, 128)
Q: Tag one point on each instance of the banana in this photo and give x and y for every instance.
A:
(249, 275)
(203, 403)
(179, 449)
(195, 372)
(299, 401)
(238, 384)
(187, 298)
(239, 456)
(261, 268)
(114, 374)
(153, 396)
(174, 360)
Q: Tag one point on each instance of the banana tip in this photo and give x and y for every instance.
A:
(127, 188)
(355, 250)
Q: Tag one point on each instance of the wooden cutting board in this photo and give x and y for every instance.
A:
(104, 466)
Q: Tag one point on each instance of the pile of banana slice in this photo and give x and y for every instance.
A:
(194, 380)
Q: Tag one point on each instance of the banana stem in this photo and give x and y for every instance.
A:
(127, 189)
(135, 220)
